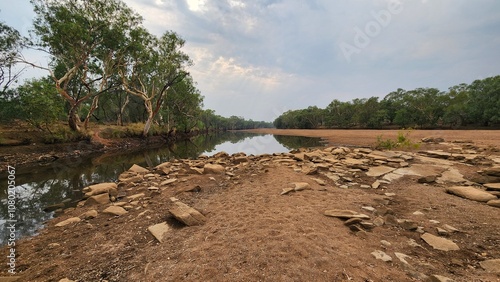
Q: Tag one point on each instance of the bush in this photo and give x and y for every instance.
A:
(402, 141)
(63, 134)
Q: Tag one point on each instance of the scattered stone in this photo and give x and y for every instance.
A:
(89, 214)
(168, 182)
(345, 214)
(402, 257)
(441, 231)
(100, 199)
(450, 228)
(186, 214)
(115, 210)
(64, 280)
(492, 186)
(391, 220)
(381, 255)
(377, 171)
(432, 140)
(138, 169)
(195, 170)
(439, 278)
(159, 230)
(438, 154)
(68, 221)
(492, 265)
(494, 203)
(50, 246)
(367, 225)
(135, 196)
(319, 181)
(434, 221)
(287, 190)
(408, 225)
(452, 175)
(213, 169)
(352, 221)
(390, 194)
(376, 184)
(418, 213)
(471, 193)
(368, 208)
(385, 243)
(413, 243)
(439, 243)
(427, 179)
(492, 171)
(299, 186)
(379, 221)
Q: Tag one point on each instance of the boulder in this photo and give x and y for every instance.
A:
(439, 243)
(186, 214)
(100, 199)
(115, 210)
(68, 221)
(471, 193)
(101, 188)
(213, 169)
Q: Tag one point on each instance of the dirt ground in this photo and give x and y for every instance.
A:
(253, 233)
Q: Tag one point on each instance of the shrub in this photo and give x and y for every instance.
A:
(402, 141)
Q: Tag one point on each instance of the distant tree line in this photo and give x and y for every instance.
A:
(104, 67)
(465, 105)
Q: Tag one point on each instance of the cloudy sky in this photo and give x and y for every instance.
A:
(259, 58)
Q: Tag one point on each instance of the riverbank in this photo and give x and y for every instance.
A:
(328, 214)
(368, 138)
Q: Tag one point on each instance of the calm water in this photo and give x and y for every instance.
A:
(44, 185)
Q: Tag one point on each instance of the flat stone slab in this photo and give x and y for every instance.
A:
(101, 188)
(138, 169)
(115, 210)
(494, 203)
(168, 182)
(380, 170)
(213, 169)
(471, 193)
(159, 230)
(186, 214)
(492, 265)
(346, 214)
(439, 243)
(492, 171)
(493, 186)
(381, 256)
(68, 221)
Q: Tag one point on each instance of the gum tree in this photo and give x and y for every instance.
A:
(82, 38)
(150, 67)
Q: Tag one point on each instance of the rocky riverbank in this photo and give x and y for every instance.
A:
(327, 214)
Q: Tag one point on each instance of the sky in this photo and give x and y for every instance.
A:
(258, 59)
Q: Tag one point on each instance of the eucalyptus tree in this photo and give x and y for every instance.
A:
(82, 38)
(150, 66)
(11, 45)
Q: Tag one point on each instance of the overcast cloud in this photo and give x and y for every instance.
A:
(257, 59)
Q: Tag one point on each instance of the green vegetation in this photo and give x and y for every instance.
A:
(105, 68)
(474, 105)
(402, 141)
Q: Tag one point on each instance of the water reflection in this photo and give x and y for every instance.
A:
(43, 185)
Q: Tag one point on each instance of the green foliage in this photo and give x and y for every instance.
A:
(402, 141)
(63, 134)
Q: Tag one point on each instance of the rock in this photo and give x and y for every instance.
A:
(299, 186)
(452, 175)
(66, 280)
(242, 159)
(168, 181)
(492, 171)
(482, 179)
(194, 189)
(368, 208)
(68, 221)
(390, 219)
(381, 255)
(432, 140)
(100, 199)
(492, 186)
(101, 188)
(408, 225)
(427, 179)
(367, 225)
(439, 278)
(385, 243)
(213, 169)
(438, 154)
(345, 214)
(402, 257)
(115, 210)
(89, 214)
(135, 196)
(319, 181)
(376, 184)
(492, 265)
(441, 231)
(494, 203)
(195, 170)
(52, 208)
(51, 246)
(418, 213)
(186, 214)
(159, 230)
(439, 243)
(450, 228)
(138, 169)
(352, 221)
(287, 190)
(471, 193)
(379, 221)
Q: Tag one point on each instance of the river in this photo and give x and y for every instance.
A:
(62, 181)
